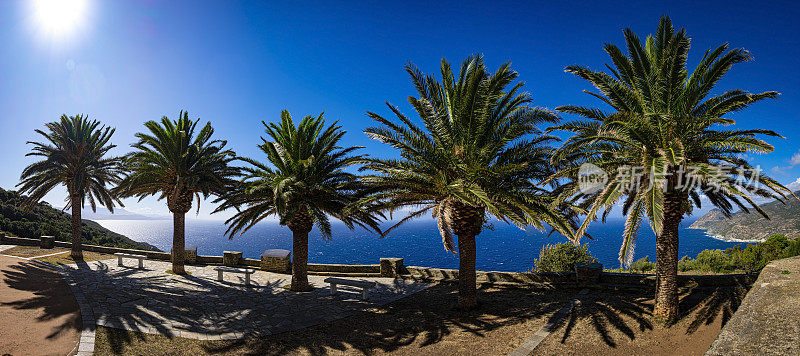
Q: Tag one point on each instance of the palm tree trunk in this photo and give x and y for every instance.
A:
(76, 253)
(178, 242)
(300, 261)
(467, 223)
(467, 291)
(666, 305)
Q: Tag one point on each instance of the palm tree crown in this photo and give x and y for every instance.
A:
(479, 146)
(175, 163)
(308, 181)
(74, 155)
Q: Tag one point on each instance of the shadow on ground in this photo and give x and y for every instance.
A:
(629, 313)
(423, 322)
(51, 294)
(423, 319)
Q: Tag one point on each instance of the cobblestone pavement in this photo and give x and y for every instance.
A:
(197, 306)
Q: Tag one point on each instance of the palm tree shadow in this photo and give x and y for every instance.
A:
(704, 306)
(426, 318)
(51, 295)
(622, 312)
(608, 311)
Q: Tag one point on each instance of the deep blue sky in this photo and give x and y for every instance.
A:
(236, 64)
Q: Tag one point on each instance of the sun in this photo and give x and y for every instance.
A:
(59, 18)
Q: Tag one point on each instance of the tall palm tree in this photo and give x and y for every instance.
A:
(307, 185)
(75, 155)
(173, 162)
(477, 154)
(663, 145)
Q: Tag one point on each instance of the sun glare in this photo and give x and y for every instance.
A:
(59, 18)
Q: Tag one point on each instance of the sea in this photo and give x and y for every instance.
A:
(504, 248)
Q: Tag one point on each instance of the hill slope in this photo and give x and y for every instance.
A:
(46, 220)
(784, 219)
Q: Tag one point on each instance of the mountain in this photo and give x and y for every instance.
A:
(118, 214)
(751, 227)
(46, 220)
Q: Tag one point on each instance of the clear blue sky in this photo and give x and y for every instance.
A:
(236, 64)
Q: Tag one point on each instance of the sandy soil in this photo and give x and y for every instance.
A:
(39, 314)
(621, 324)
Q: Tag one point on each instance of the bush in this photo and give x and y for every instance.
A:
(642, 265)
(750, 260)
(792, 249)
(562, 257)
(687, 264)
(714, 261)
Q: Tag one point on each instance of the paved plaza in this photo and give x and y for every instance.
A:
(197, 306)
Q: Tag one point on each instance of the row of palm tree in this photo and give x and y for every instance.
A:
(477, 152)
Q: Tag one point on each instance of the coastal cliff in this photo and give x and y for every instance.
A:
(750, 227)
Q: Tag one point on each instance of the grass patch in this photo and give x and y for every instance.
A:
(66, 259)
(785, 272)
(32, 251)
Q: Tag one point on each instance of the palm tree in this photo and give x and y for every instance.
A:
(175, 163)
(307, 185)
(478, 154)
(75, 155)
(664, 123)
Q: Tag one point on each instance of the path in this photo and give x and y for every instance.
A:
(768, 321)
(39, 314)
(199, 307)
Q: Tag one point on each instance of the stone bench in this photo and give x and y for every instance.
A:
(245, 271)
(121, 255)
(364, 285)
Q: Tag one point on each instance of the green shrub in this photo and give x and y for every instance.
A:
(773, 247)
(792, 249)
(714, 261)
(562, 257)
(642, 265)
(687, 264)
(750, 259)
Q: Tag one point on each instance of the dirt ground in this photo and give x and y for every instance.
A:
(620, 323)
(422, 324)
(425, 323)
(39, 314)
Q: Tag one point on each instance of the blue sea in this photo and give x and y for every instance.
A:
(506, 248)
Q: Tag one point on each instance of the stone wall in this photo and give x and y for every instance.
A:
(767, 321)
(607, 279)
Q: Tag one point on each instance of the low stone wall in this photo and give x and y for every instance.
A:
(607, 279)
(441, 274)
(324, 267)
(767, 321)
